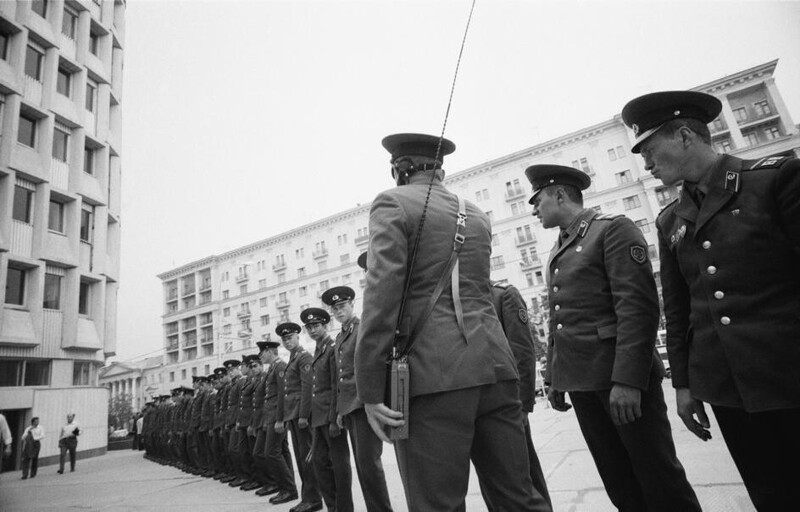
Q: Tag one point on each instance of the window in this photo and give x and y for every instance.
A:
(529, 278)
(69, 23)
(772, 132)
(39, 7)
(262, 283)
(298, 253)
(524, 234)
(279, 260)
(301, 272)
(497, 262)
(172, 376)
(194, 371)
(37, 373)
(242, 289)
(64, 82)
(226, 329)
(91, 95)
(362, 232)
(302, 291)
(529, 256)
(225, 276)
(281, 278)
(342, 239)
(612, 155)
(10, 373)
(225, 294)
(27, 130)
(183, 374)
(33, 62)
(631, 202)
(740, 114)
(762, 108)
(652, 252)
(495, 240)
(346, 279)
(344, 258)
(4, 40)
(15, 286)
(718, 124)
(52, 291)
(87, 223)
(620, 152)
(284, 315)
(23, 204)
(244, 307)
(583, 164)
(226, 312)
(94, 42)
(482, 195)
(55, 217)
(264, 319)
(323, 266)
(81, 373)
(751, 138)
(623, 177)
(323, 285)
(262, 302)
(643, 225)
(724, 146)
(518, 208)
(513, 188)
(60, 143)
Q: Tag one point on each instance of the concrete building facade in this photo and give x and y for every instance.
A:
(216, 308)
(60, 168)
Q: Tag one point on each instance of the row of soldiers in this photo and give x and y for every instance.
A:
(234, 424)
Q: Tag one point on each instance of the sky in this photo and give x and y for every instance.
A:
(245, 119)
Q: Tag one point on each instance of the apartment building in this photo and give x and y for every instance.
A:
(217, 307)
(60, 161)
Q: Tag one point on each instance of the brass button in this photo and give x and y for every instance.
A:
(719, 295)
(555, 289)
(707, 245)
(557, 308)
(725, 320)
(712, 270)
(559, 327)
(555, 271)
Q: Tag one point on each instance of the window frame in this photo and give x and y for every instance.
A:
(22, 288)
(50, 300)
(33, 139)
(29, 50)
(61, 134)
(60, 229)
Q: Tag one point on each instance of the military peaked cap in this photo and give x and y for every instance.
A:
(646, 114)
(417, 144)
(314, 316)
(337, 294)
(545, 175)
(287, 328)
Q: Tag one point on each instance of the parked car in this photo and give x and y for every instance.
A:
(119, 434)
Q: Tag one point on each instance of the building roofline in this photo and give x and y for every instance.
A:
(740, 76)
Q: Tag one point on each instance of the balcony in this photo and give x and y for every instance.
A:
(245, 333)
(322, 253)
(282, 304)
(528, 264)
(188, 290)
(173, 346)
(172, 295)
(190, 342)
(525, 240)
(245, 313)
(242, 277)
(205, 285)
(515, 193)
(362, 241)
(206, 339)
(279, 266)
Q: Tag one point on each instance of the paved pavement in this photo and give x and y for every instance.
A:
(124, 481)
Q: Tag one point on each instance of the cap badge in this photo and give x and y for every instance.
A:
(635, 128)
(335, 297)
(677, 113)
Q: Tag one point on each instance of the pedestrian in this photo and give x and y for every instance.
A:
(463, 376)
(729, 248)
(5, 440)
(601, 349)
(513, 314)
(31, 444)
(294, 412)
(330, 452)
(367, 447)
(68, 442)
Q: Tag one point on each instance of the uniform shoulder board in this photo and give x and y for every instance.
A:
(607, 216)
(499, 284)
(770, 162)
(668, 206)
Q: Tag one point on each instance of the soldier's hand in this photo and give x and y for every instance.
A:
(7, 451)
(250, 431)
(625, 403)
(380, 416)
(302, 423)
(280, 428)
(689, 407)
(557, 402)
(340, 420)
(334, 430)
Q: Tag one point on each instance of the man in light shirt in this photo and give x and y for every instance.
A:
(68, 442)
(31, 444)
(5, 440)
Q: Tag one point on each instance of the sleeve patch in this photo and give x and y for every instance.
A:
(523, 315)
(638, 254)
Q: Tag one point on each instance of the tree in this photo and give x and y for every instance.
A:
(120, 410)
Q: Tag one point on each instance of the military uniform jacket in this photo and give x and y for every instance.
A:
(207, 410)
(196, 408)
(221, 412)
(603, 306)
(246, 401)
(273, 386)
(443, 358)
(323, 381)
(731, 285)
(346, 396)
(513, 315)
(295, 402)
(233, 400)
(259, 404)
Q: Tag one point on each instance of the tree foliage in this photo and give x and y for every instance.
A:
(120, 410)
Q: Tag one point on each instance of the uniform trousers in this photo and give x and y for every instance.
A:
(67, 444)
(331, 458)
(244, 453)
(301, 445)
(446, 430)
(196, 448)
(279, 459)
(218, 454)
(537, 475)
(367, 450)
(636, 461)
(766, 448)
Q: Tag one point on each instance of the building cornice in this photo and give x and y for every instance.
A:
(747, 75)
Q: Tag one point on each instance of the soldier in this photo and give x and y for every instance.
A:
(238, 380)
(276, 453)
(462, 373)
(602, 344)
(244, 419)
(194, 442)
(513, 314)
(217, 450)
(729, 249)
(331, 453)
(257, 430)
(207, 423)
(294, 409)
(367, 447)
(231, 368)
